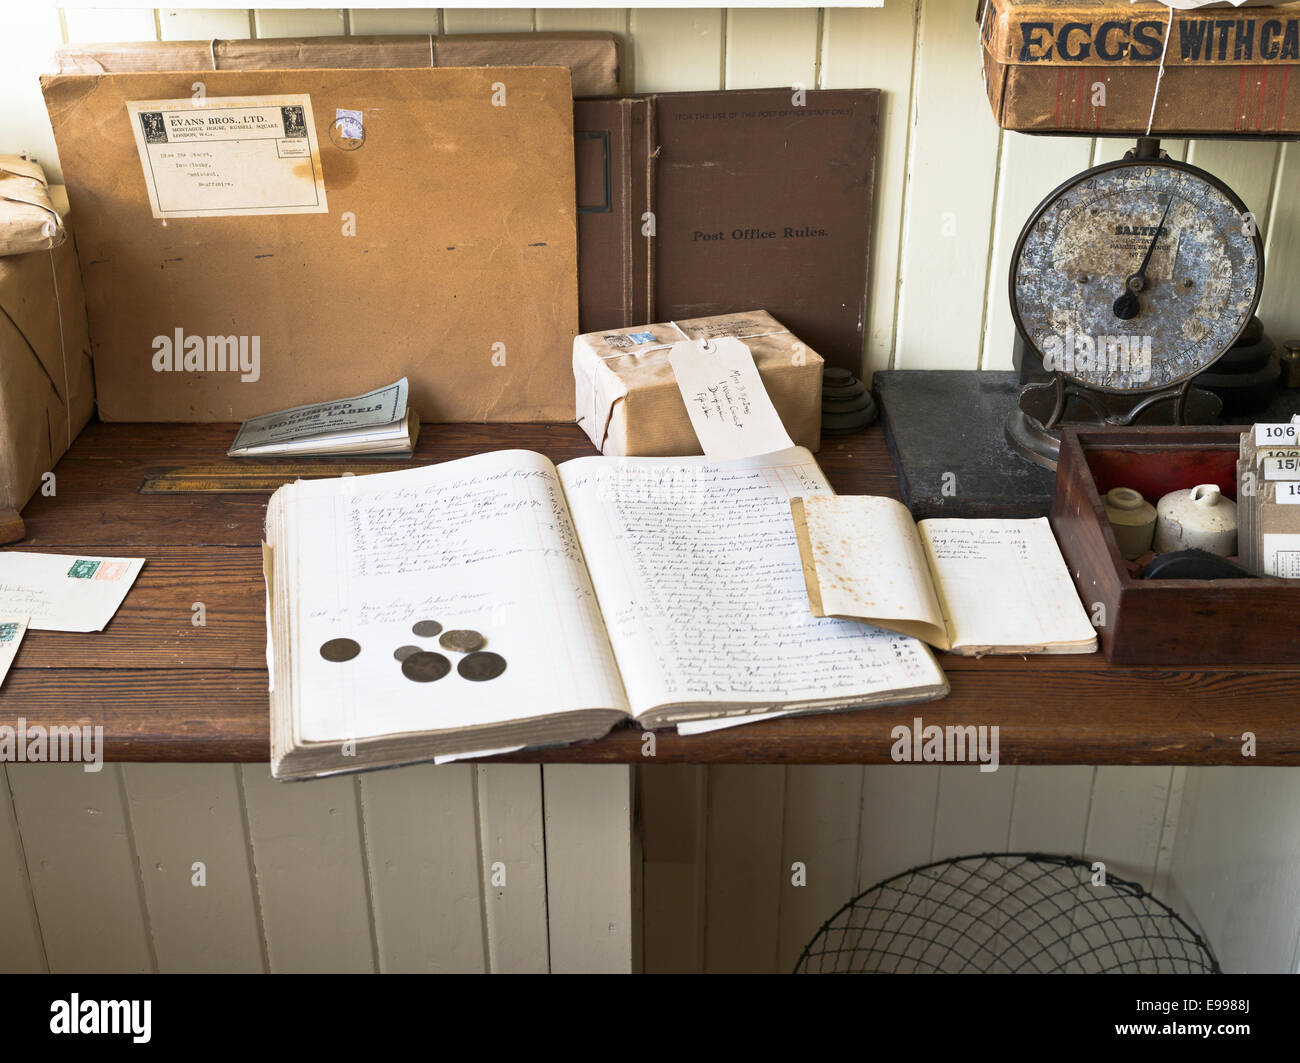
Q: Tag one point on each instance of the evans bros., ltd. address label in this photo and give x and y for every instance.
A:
(223, 156)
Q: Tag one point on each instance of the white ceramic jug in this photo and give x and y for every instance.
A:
(1197, 519)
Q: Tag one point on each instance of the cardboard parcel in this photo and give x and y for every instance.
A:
(1115, 67)
(290, 236)
(591, 57)
(29, 220)
(47, 386)
(628, 401)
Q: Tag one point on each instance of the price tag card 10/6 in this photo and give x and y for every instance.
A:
(1276, 433)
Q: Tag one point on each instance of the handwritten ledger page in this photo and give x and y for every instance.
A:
(484, 544)
(697, 570)
(665, 589)
(968, 585)
(1005, 587)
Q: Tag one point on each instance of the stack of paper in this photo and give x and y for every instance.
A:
(377, 422)
(1268, 500)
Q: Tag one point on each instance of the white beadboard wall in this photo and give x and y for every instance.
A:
(393, 871)
(458, 868)
(518, 868)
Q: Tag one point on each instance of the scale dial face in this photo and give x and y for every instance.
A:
(1136, 275)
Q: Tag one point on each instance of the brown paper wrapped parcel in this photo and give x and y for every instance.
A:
(47, 385)
(29, 221)
(628, 402)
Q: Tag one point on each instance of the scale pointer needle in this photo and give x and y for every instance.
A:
(1127, 305)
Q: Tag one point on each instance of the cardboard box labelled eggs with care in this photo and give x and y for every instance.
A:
(1099, 67)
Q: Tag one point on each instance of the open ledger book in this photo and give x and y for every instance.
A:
(970, 586)
(661, 589)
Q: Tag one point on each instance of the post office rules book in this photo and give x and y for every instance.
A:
(756, 198)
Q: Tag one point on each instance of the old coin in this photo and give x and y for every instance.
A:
(464, 641)
(481, 666)
(426, 629)
(340, 650)
(425, 667)
(403, 652)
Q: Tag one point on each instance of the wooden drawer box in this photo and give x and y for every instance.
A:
(1164, 622)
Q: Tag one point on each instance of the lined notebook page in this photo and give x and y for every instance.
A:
(699, 579)
(1003, 583)
(484, 543)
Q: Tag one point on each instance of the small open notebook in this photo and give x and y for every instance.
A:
(500, 601)
(969, 586)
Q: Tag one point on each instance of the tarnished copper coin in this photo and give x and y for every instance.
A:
(480, 667)
(463, 641)
(426, 629)
(425, 667)
(403, 652)
(337, 650)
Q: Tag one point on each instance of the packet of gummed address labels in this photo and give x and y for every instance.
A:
(729, 407)
(364, 420)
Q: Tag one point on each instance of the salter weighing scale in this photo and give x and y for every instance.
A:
(1128, 281)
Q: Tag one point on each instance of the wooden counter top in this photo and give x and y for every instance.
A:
(164, 689)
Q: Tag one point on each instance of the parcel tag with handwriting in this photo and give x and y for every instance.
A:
(729, 407)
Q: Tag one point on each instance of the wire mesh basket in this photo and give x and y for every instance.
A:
(1006, 913)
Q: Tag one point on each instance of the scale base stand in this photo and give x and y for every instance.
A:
(1041, 442)
(1032, 440)
(1048, 400)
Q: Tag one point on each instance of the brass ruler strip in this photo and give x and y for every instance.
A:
(253, 479)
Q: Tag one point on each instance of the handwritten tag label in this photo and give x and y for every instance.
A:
(1288, 494)
(1275, 433)
(729, 407)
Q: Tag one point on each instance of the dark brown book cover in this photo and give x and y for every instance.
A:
(757, 198)
(612, 142)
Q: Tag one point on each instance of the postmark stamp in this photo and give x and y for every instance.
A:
(347, 131)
